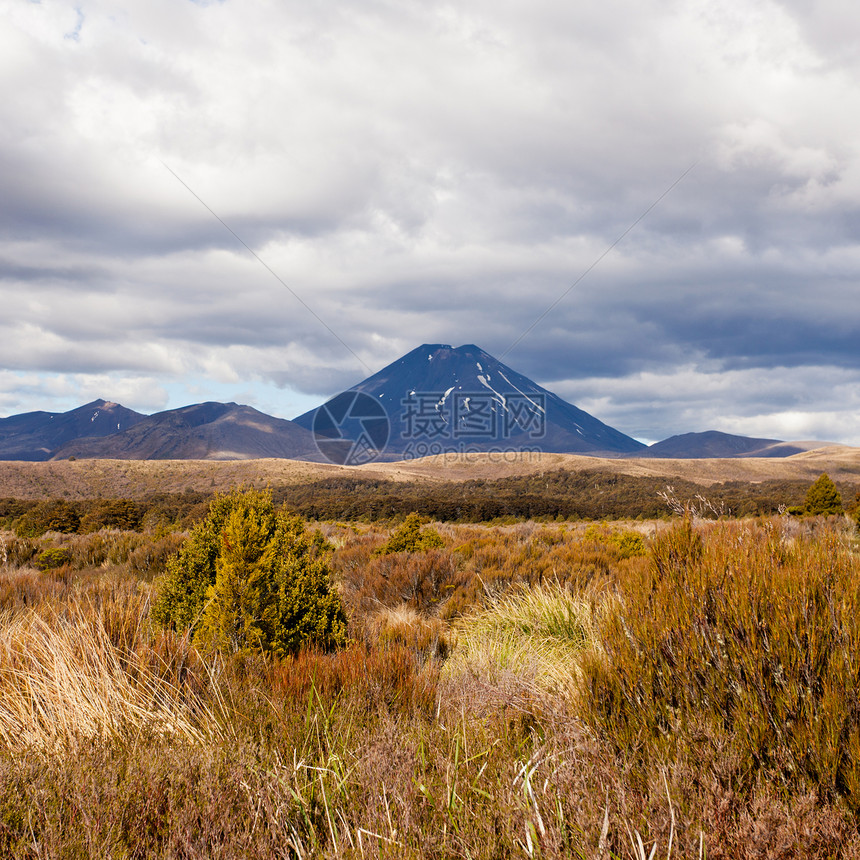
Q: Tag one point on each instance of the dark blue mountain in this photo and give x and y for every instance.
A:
(713, 443)
(438, 398)
(37, 435)
(203, 431)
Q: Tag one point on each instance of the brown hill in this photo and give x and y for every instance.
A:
(139, 478)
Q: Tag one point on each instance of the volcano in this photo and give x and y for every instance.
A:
(36, 435)
(438, 399)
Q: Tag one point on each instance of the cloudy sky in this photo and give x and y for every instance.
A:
(426, 172)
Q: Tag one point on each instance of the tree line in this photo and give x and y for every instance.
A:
(557, 495)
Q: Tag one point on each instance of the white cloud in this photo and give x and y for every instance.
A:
(29, 392)
(776, 403)
(425, 172)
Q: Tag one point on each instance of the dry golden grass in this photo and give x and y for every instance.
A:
(839, 461)
(63, 681)
(134, 479)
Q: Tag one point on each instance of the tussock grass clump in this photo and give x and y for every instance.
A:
(63, 681)
(537, 634)
(426, 636)
(15, 551)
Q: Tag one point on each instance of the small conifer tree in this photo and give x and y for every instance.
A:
(237, 603)
(252, 578)
(304, 608)
(182, 591)
(823, 498)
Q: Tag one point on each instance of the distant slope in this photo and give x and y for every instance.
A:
(204, 431)
(87, 479)
(438, 398)
(712, 443)
(37, 435)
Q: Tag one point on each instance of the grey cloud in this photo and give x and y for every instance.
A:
(829, 28)
(91, 275)
(433, 173)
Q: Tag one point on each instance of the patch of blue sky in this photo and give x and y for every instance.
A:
(263, 396)
(33, 391)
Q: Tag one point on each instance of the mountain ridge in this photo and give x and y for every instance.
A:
(35, 436)
(434, 399)
(203, 431)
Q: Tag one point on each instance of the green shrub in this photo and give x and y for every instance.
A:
(629, 543)
(54, 515)
(823, 498)
(251, 577)
(52, 558)
(181, 595)
(410, 537)
(741, 644)
(112, 514)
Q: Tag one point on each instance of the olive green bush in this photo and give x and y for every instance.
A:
(112, 514)
(51, 515)
(251, 577)
(627, 542)
(823, 498)
(52, 557)
(410, 537)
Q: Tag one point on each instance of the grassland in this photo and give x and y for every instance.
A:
(135, 479)
(477, 488)
(525, 690)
